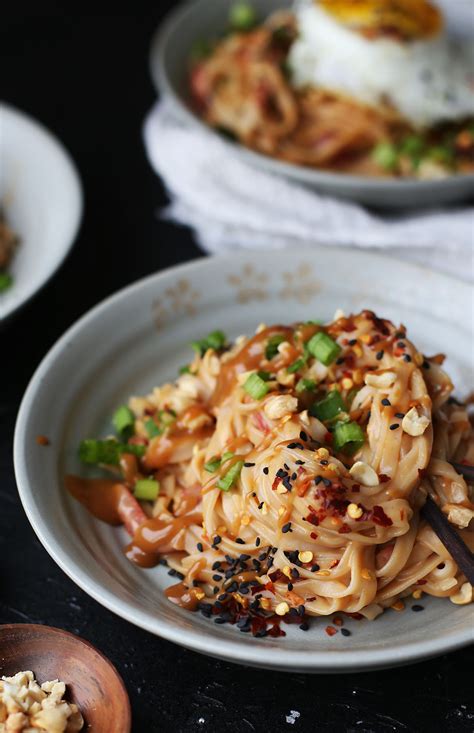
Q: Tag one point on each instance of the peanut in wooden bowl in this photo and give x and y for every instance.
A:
(92, 682)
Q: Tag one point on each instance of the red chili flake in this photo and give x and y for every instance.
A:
(334, 563)
(137, 440)
(276, 630)
(257, 624)
(422, 582)
(303, 488)
(313, 536)
(275, 483)
(383, 478)
(422, 472)
(330, 630)
(337, 620)
(261, 423)
(270, 587)
(42, 440)
(257, 589)
(311, 598)
(344, 529)
(357, 616)
(328, 438)
(276, 576)
(312, 519)
(355, 488)
(380, 518)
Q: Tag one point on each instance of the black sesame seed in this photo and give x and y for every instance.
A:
(195, 583)
(244, 557)
(417, 608)
(262, 557)
(200, 547)
(217, 577)
(324, 462)
(318, 480)
(244, 591)
(294, 573)
(299, 462)
(219, 620)
(257, 542)
(386, 402)
(401, 345)
(379, 355)
(400, 414)
(303, 436)
(215, 590)
(216, 565)
(301, 610)
(294, 476)
(287, 483)
(286, 466)
(217, 540)
(406, 357)
(286, 528)
(426, 365)
(345, 632)
(232, 587)
(352, 342)
(340, 361)
(281, 473)
(400, 335)
(172, 572)
(222, 597)
(290, 586)
(274, 549)
(265, 470)
(315, 568)
(293, 446)
(259, 634)
(394, 426)
(304, 626)
(327, 482)
(249, 465)
(240, 541)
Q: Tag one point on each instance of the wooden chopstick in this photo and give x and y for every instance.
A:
(464, 469)
(449, 537)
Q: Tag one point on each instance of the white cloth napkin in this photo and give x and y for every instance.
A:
(232, 205)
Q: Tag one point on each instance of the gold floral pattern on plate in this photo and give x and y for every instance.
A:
(180, 299)
(250, 285)
(300, 285)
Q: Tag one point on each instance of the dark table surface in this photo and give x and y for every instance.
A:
(86, 78)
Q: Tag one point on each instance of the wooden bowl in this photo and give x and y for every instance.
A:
(92, 681)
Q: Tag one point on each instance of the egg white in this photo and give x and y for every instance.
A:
(427, 81)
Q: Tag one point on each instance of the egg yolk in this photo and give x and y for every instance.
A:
(404, 19)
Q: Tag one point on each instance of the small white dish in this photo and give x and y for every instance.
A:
(137, 339)
(41, 196)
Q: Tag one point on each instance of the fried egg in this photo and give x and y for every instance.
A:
(378, 52)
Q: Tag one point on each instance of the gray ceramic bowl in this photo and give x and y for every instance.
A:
(137, 339)
(201, 19)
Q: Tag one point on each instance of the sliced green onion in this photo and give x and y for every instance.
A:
(242, 17)
(412, 145)
(305, 385)
(215, 340)
(385, 155)
(440, 154)
(226, 456)
(107, 451)
(200, 50)
(296, 366)
(324, 348)
(167, 417)
(152, 429)
(6, 281)
(212, 465)
(348, 437)
(123, 421)
(184, 369)
(146, 489)
(273, 343)
(256, 387)
(329, 407)
(227, 481)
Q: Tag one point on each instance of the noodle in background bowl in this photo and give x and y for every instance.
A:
(137, 339)
(199, 20)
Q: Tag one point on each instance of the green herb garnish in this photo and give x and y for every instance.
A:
(146, 489)
(228, 480)
(107, 452)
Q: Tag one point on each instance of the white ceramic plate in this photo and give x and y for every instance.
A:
(196, 20)
(138, 339)
(41, 195)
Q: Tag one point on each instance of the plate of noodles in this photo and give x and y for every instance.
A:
(240, 454)
(371, 100)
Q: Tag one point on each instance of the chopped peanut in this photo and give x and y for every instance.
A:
(277, 407)
(282, 609)
(354, 511)
(464, 595)
(364, 474)
(414, 424)
(383, 380)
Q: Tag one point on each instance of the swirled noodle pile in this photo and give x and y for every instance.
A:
(306, 525)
